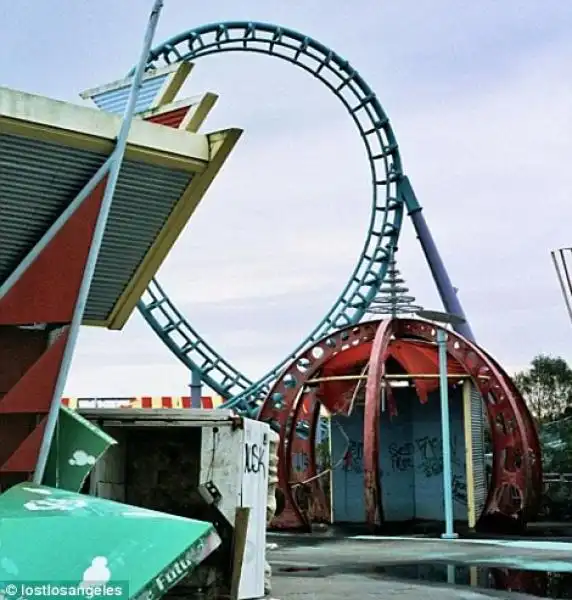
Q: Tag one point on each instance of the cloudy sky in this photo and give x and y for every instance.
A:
(480, 97)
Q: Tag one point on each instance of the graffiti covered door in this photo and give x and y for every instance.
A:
(428, 455)
(410, 460)
(254, 493)
(346, 439)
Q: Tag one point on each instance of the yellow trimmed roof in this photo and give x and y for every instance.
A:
(51, 149)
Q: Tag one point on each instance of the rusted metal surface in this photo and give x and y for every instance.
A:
(281, 402)
(530, 441)
(302, 492)
(290, 518)
(317, 476)
(375, 380)
(516, 484)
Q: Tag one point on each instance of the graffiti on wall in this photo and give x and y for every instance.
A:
(254, 459)
(402, 457)
(424, 454)
(300, 462)
(353, 459)
(459, 489)
(430, 455)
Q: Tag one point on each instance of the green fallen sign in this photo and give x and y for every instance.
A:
(126, 551)
(76, 447)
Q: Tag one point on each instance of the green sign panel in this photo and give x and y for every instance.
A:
(54, 537)
(76, 447)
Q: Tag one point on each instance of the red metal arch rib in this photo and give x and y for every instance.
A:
(515, 488)
(280, 402)
(299, 401)
(316, 484)
(376, 372)
(532, 442)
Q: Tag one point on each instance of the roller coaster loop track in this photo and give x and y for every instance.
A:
(392, 194)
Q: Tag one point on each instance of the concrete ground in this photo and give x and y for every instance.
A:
(350, 587)
(320, 567)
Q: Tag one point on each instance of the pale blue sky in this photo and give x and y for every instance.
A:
(480, 97)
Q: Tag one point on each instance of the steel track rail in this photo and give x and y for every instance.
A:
(387, 207)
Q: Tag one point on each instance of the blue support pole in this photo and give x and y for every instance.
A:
(446, 290)
(196, 388)
(446, 435)
(79, 310)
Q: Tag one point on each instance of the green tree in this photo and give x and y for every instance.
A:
(546, 387)
(556, 440)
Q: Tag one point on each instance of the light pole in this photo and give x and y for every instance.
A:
(445, 318)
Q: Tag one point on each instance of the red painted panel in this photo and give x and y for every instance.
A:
(207, 402)
(301, 472)
(13, 430)
(173, 118)
(19, 350)
(166, 402)
(414, 357)
(47, 291)
(146, 402)
(186, 401)
(34, 391)
(26, 455)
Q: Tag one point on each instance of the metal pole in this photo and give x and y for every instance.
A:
(390, 376)
(196, 388)
(447, 291)
(75, 325)
(446, 435)
(561, 280)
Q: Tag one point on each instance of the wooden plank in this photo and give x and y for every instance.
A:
(242, 516)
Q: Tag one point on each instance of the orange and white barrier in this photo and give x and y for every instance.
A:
(207, 402)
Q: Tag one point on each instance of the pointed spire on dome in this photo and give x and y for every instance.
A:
(393, 299)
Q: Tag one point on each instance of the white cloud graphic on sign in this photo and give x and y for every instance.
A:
(55, 504)
(97, 573)
(80, 458)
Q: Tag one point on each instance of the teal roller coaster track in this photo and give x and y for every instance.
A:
(391, 196)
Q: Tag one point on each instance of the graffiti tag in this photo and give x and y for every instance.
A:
(353, 460)
(459, 489)
(300, 462)
(254, 459)
(402, 457)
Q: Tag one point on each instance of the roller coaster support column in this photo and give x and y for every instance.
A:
(446, 290)
(114, 165)
(196, 388)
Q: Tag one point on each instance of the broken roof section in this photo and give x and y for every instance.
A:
(49, 150)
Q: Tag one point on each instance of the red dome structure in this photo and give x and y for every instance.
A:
(360, 361)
